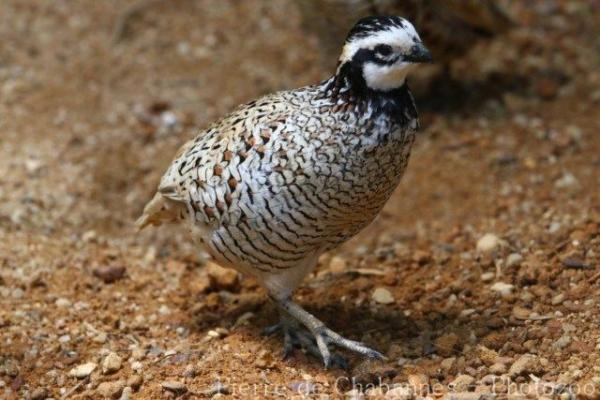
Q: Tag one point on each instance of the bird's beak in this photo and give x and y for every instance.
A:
(418, 54)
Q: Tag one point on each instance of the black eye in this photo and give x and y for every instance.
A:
(383, 49)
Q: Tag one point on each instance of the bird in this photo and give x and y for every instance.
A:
(283, 179)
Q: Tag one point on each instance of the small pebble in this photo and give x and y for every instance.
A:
(137, 366)
(382, 296)
(110, 273)
(135, 381)
(110, 390)
(488, 276)
(190, 371)
(525, 364)
(567, 181)
(111, 363)
(558, 299)
(562, 342)
(488, 243)
(448, 363)
(83, 370)
(64, 339)
(39, 394)
(462, 383)
(174, 387)
(164, 310)
(498, 369)
(521, 313)
(554, 227)
(100, 338)
(514, 260)
(62, 302)
(338, 265)
(138, 353)
(504, 289)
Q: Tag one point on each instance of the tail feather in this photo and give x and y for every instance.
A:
(159, 210)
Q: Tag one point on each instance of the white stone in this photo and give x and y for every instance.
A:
(111, 363)
(110, 390)
(137, 366)
(62, 302)
(558, 299)
(174, 386)
(513, 260)
(101, 337)
(488, 243)
(83, 370)
(382, 296)
(504, 289)
(568, 180)
(488, 276)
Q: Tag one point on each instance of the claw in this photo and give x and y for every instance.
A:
(288, 343)
(271, 329)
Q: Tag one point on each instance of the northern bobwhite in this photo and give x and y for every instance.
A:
(282, 179)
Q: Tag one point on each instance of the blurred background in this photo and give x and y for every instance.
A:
(95, 98)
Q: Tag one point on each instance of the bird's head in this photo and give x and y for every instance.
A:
(379, 52)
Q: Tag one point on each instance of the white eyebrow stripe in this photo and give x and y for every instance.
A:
(392, 35)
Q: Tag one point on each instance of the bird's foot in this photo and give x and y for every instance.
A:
(316, 338)
(297, 337)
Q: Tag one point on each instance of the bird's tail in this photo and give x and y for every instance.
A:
(159, 210)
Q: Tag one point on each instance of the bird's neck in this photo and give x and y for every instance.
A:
(345, 89)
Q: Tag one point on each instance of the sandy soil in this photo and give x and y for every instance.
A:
(481, 276)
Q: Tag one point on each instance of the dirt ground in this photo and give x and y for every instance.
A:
(482, 274)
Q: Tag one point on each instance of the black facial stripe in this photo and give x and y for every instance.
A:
(363, 56)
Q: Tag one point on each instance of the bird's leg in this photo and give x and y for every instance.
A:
(292, 314)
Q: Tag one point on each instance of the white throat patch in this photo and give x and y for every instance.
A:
(386, 77)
